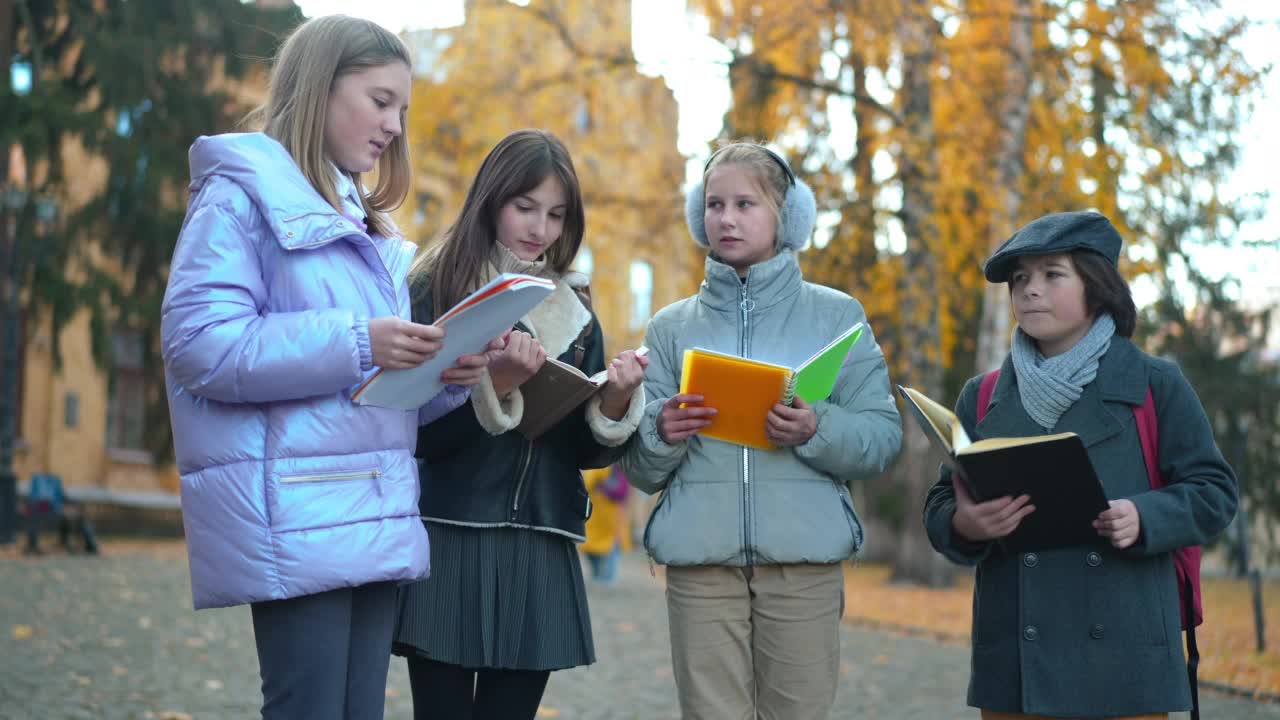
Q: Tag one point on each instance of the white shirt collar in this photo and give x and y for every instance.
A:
(347, 193)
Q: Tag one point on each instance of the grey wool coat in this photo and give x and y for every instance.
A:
(1093, 631)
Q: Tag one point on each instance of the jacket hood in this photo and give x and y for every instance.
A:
(268, 174)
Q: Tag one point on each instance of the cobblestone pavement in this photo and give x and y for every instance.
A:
(114, 637)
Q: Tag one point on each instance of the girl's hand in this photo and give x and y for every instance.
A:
(1121, 523)
(518, 361)
(980, 522)
(468, 370)
(676, 425)
(788, 426)
(626, 372)
(398, 344)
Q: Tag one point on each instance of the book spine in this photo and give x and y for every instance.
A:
(789, 388)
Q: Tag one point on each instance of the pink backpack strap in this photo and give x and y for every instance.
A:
(985, 390)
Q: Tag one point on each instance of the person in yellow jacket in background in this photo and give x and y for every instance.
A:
(607, 532)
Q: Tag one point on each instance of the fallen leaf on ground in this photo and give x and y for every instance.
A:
(22, 632)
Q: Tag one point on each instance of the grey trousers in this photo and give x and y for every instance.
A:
(325, 656)
(760, 642)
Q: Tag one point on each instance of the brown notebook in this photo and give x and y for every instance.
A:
(556, 390)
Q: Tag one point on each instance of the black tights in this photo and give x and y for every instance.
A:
(450, 692)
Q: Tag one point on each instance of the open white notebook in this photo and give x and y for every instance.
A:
(469, 326)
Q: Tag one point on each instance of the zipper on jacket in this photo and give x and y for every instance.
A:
(524, 470)
(333, 477)
(745, 307)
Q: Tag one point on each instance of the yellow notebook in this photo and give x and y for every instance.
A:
(742, 392)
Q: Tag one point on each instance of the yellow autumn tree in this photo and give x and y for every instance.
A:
(968, 120)
(566, 66)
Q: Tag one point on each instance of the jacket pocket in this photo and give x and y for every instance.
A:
(803, 520)
(318, 492)
(855, 525)
(648, 524)
(373, 474)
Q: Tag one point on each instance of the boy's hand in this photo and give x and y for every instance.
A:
(1121, 523)
(991, 520)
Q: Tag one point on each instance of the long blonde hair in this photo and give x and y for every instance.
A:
(310, 61)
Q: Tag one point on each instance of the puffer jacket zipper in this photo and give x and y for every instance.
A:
(745, 306)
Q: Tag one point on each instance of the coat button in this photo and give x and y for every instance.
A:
(1094, 559)
(289, 234)
(1030, 633)
(1095, 632)
(1030, 560)
(342, 223)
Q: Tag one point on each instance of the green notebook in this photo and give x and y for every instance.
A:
(815, 378)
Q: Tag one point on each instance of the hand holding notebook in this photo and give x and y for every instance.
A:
(556, 390)
(469, 327)
(1054, 471)
(743, 391)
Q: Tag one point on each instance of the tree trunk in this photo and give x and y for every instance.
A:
(917, 165)
(864, 211)
(1014, 108)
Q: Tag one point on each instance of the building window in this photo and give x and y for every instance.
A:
(425, 205)
(19, 369)
(584, 262)
(71, 410)
(126, 402)
(641, 293)
(582, 117)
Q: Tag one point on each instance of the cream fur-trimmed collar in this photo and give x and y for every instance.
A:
(557, 321)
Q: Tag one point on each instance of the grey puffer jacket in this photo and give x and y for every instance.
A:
(725, 504)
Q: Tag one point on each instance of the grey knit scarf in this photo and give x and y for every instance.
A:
(1049, 386)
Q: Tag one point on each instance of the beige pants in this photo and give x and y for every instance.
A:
(990, 715)
(750, 643)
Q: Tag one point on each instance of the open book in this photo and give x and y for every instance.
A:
(556, 390)
(469, 326)
(1054, 470)
(743, 391)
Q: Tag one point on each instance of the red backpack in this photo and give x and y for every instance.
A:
(1186, 561)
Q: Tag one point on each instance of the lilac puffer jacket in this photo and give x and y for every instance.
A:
(288, 489)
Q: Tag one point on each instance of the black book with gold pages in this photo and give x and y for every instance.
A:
(1054, 470)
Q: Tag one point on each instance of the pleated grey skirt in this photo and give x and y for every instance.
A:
(498, 598)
